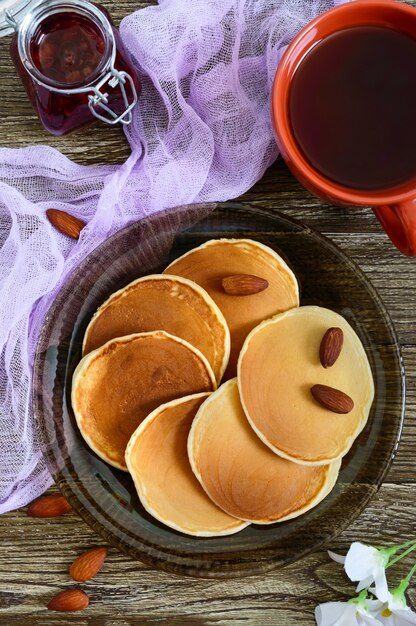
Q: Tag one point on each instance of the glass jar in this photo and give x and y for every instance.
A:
(73, 63)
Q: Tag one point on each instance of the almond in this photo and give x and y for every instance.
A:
(64, 222)
(54, 505)
(88, 564)
(332, 399)
(244, 284)
(331, 346)
(69, 600)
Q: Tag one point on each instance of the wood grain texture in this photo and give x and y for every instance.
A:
(35, 554)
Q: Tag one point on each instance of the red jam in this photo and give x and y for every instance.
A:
(70, 51)
(67, 50)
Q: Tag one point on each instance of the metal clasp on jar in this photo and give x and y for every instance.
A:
(99, 100)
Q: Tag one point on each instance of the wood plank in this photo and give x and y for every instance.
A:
(35, 554)
(38, 554)
(404, 466)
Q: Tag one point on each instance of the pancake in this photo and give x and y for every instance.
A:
(278, 366)
(116, 386)
(242, 475)
(217, 259)
(158, 462)
(162, 302)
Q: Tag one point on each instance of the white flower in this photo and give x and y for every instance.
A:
(397, 617)
(338, 558)
(366, 565)
(345, 614)
(395, 611)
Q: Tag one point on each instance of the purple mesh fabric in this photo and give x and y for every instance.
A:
(202, 132)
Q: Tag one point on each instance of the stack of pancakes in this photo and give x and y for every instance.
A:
(206, 459)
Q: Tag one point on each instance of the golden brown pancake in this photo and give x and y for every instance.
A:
(242, 475)
(208, 264)
(162, 302)
(157, 459)
(116, 386)
(278, 365)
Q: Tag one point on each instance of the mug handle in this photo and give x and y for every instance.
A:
(399, 222)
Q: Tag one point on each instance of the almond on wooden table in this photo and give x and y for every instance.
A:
(244, 284)
(54, 505)
(332, 399)
(88, 564)
(331, 346)
(64, 222)
(69, 600)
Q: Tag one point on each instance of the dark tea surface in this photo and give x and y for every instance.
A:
(353, 107)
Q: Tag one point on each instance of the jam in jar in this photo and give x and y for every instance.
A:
(74, 66)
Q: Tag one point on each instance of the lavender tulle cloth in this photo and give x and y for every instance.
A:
(201, 132)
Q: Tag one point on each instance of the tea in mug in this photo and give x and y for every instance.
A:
(352, 107)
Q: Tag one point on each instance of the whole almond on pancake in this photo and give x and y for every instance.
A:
(332, 399)
(331, 346)
(244, 284)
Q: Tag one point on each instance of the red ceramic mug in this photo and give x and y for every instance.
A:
(395, 208)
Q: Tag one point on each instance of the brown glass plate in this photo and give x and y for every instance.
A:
(106, 498)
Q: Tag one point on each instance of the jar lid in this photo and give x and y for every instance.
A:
(13, 11)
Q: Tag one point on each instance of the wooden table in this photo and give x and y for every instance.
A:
(35, 554)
